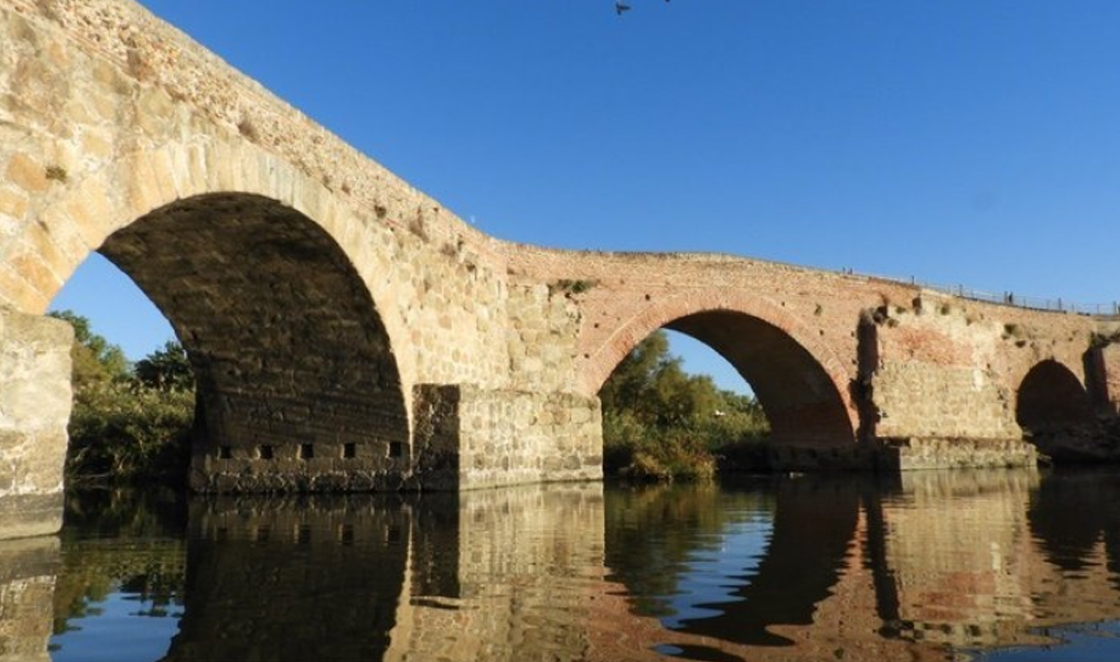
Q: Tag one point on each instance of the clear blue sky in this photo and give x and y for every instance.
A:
(960, 141)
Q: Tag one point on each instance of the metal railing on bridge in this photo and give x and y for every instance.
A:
(1008, 298)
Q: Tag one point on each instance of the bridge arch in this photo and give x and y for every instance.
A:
(798, 380)
(270, 284)
(1051, 398)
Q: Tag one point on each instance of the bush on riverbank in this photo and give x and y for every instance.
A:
(660, 423)
(128, 424)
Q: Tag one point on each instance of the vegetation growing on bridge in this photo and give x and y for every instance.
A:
(129, 423)
(660, 423)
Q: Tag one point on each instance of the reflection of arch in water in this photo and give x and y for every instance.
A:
(814, 525)
(292, 580)
(1072, 513)
(798, 380)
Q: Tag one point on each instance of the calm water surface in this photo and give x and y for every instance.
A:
(1008, 566)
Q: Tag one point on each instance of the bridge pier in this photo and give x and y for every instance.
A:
(468, 437)
(34, 411)
(933, 392)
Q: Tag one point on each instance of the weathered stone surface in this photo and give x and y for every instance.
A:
(475, 438)
(350, 333)
(34, 409)
(29, 515)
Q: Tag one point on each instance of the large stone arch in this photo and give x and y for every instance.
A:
(800, 383)
(269, 282)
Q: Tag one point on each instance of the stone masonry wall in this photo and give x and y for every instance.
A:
(108, 115)
(942, 378)
(35, 397)
(932, 376)
(473, 438)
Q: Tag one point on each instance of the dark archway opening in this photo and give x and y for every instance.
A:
(297, 386)
(807, 424)
(1056, 413)
(799, 397)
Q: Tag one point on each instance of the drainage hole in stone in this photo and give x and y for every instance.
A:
(224, 452)
(349, 451)
(306, 452)
(265, 452)
(395, 448)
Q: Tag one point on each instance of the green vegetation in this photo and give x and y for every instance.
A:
(128, 423)
(572, 286)
(660, 423)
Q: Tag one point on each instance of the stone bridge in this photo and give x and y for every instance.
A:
(349, 333)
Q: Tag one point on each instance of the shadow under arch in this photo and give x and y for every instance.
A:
(1056, 412)
(298, 386)
(797, 380)
(1050, 396)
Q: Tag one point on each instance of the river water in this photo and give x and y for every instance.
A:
(994, 565)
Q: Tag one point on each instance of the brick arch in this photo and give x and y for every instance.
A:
(799, 381)
(269, 283)
(1051, 396)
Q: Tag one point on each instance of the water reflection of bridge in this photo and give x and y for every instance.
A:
(852, 568)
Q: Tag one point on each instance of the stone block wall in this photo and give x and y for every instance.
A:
(941, 378)
(35, 397)
(543, 335)
(467, 437)
(929, 375)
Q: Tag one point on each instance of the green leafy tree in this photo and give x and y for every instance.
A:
(97, 362)
(125, 427)
(661, 423)
(166, 369)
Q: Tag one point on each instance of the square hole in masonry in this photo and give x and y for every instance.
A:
(265, 452)
(306, 451)
(224, 452)
(396, 449)
(349, 451)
